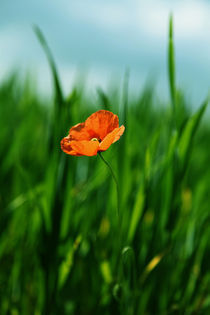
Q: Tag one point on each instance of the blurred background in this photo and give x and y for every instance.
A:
(103, 38)
(62, 249)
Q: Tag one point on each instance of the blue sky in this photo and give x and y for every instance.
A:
(105, 37)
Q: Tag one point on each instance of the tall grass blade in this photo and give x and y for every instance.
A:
(137, 212)
(187, 136)
(171, 64)
(57, 85)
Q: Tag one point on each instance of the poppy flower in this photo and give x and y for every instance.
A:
(94, 135)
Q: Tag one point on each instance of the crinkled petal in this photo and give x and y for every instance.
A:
(66, 146)
(101, 123)
(111, 138)
(79, 132)
(85, 147)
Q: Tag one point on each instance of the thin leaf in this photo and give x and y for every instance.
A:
(186, 138)
(43, 42)
(171, 63)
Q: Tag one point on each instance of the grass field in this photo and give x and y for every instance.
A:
(59, 235)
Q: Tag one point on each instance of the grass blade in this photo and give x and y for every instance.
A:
(171, 64)
(43, 42)
(186, 138)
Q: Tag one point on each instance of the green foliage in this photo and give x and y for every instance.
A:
(59, 233)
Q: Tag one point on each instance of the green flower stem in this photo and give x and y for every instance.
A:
(117, 189)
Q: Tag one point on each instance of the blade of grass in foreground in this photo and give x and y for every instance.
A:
(171, 64)
(43, 42)
(188, 133)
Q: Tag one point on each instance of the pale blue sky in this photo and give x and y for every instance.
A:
(105, 37)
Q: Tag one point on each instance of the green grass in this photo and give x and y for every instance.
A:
(59, 249)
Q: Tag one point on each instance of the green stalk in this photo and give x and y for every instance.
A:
(171, 64)
(117, 189)
(171, 73)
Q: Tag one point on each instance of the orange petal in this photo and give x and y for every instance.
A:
(101, 123)
(111, 138)
(66, 146)
(85, 147)
(79, 132)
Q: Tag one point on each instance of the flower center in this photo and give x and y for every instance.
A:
(95, 139)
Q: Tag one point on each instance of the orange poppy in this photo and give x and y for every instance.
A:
(94, 135)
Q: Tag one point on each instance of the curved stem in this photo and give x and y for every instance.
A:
(117, 188)
(119, 216)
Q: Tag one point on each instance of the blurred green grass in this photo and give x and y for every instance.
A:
(58, 223)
